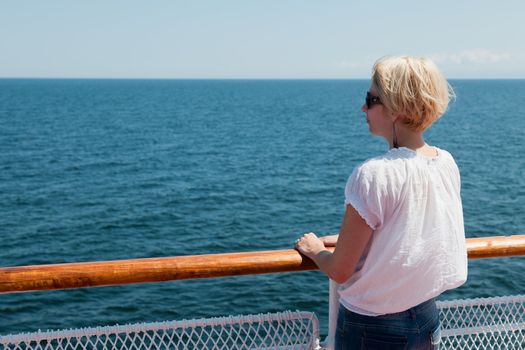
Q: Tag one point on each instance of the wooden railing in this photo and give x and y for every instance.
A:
(119, 272)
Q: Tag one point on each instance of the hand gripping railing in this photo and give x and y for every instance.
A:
(119, 272)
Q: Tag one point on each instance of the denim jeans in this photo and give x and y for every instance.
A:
(415, 328)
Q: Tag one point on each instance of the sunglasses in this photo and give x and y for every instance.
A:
(371, 100)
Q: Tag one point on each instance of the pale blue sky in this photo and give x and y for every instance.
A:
(257, 39)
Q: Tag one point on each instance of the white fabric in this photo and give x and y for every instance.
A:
(417, 250)
(333, 308)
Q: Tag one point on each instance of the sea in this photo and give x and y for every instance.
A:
(96, 170)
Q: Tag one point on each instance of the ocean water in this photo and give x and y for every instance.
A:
(119, 169)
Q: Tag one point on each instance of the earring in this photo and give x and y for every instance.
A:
(394, 141)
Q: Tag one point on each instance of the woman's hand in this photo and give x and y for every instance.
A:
(329, 241)
(309, 245)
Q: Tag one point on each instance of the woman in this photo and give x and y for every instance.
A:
(402, 240)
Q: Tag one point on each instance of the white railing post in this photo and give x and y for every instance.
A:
(333, 308)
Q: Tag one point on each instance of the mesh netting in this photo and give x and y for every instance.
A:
(283, 331)
(488, 323)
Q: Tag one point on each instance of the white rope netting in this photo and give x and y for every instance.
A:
(485, 323)
(282, 331)
(488, 323)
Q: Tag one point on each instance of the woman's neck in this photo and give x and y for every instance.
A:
(408, 138)
(413, 145)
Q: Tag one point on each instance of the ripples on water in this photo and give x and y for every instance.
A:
(118, 169)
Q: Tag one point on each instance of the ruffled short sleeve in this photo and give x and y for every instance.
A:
(364, 193)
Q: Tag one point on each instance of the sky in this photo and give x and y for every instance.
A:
(252, 39)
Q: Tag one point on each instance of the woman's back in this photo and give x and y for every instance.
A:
(418, 250)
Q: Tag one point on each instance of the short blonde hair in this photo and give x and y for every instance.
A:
(412, 87)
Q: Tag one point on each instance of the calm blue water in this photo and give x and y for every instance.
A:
(118, 169)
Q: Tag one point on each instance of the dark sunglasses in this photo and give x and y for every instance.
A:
(371, 100)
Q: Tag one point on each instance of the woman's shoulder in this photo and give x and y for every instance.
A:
(444, 153)
(381, 170)
(389, 161)
(397, 157)
(395, 163)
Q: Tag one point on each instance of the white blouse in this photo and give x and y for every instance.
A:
(417, 249)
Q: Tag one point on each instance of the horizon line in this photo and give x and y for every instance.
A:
(212, 78)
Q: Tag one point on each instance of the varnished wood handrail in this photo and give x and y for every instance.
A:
(496, 246)
(120, 272)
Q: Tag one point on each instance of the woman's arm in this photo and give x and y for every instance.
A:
(353, 238)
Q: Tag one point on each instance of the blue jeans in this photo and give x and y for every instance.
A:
(415, 328)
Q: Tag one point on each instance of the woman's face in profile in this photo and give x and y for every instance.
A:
(377, 116)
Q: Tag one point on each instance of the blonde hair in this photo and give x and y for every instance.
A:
(412, 87)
